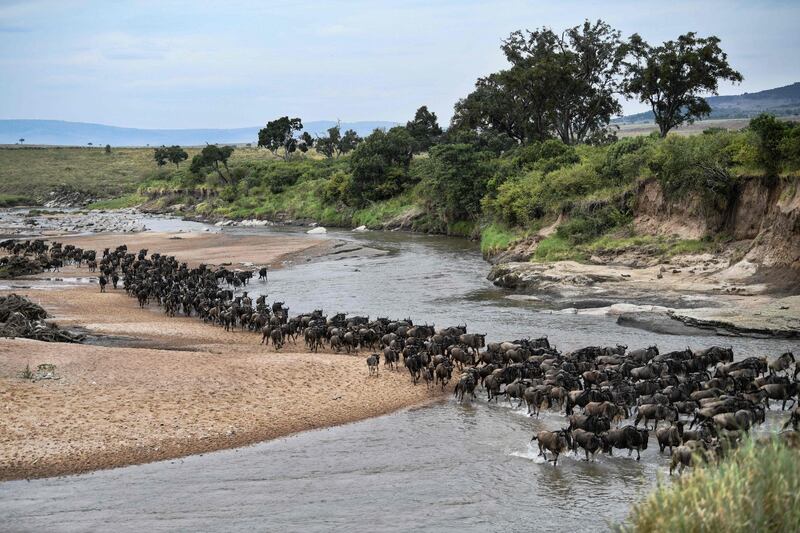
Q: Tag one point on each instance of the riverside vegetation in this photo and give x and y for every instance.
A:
(532, 145)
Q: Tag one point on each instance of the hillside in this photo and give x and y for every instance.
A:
(781, 101)
(61, 133)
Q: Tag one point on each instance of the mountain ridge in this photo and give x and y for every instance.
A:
(780, 101)
(67, 133)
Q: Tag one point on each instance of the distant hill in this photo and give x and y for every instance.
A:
(781, 101)
(58, 132)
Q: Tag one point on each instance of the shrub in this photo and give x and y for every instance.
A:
(756, 489)
(697, 164)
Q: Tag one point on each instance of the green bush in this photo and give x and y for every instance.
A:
(701, 164)
(589, 223)
(756, 489)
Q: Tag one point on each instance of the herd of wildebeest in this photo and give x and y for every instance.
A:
(699, 403)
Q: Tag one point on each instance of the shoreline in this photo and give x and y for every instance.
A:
(163, 388)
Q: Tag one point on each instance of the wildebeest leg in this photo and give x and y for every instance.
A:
(555, 461)
(638, 457)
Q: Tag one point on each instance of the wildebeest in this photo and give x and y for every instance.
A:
(556, 442)
(587, 440)
(628, 437)
(671, 436)
(373, 363)
(655, 412)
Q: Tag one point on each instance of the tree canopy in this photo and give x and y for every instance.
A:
(379, 165)
(334, 144)
(671, 77)
(557, 85)
(424, 129)
(279, 133)
(211, 157)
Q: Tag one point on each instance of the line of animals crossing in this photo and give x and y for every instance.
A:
(700, 402)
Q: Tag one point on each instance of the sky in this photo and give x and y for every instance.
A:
(236, 63)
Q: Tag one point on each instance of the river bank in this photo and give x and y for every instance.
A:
(151, 387)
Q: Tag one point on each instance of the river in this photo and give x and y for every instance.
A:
(444, 467)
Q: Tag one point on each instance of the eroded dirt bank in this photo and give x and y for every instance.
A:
(162, 387)
(751, 274)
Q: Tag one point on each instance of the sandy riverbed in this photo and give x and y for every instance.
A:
(170, 387)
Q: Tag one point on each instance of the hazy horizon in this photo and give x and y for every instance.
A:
(196, 65)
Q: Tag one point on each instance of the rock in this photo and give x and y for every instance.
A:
(361, 229)
(317, 231)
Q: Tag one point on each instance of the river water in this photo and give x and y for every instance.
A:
(445, 467)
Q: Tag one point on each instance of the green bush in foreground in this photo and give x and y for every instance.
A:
(756, 489)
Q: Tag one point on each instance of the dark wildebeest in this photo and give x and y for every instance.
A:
(465, 385)
(627, 437)
(592, 423)
(587, 440)
(781, 391)
(556, 442)
(373, 362)
(442, 374)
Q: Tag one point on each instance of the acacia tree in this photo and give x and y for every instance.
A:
(424, 129)
(211, 157)
(279, 133)
(671, 77)
(336, 144)
(160, 156)
(176, 154)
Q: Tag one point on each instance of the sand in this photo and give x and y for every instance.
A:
(171, 387)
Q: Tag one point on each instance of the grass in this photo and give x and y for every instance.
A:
(497, 237)
(379, 213)
(121, 202)
(556, 248)
(756, 489)
(33, 172)
(13, 200)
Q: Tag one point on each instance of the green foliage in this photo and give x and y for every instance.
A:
(756, 489)
(546, 156)
(700, 164)
(336, 144)
(778, 142)
(379, 166)
(557, 248)
(496, 237)
(453, 182)
(211, 157)
(424, 129)
(279, 133)
(671, 77)
(558, 84)
(585, 225)
(121, 202)
(627, 159)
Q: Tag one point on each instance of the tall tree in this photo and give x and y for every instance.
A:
(160, 156)
(336, 144)
(176, 155)
(424, 129)
(671, 77)
(211, 157)
(380, 164)
(279, 133)
(561, 85)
